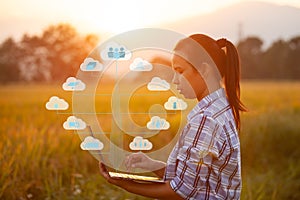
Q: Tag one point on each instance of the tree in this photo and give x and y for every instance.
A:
(9, 52)
(293, 58)
(275, 61)
(66, 49)
(33, 62)
(250, 54)
(54, 55)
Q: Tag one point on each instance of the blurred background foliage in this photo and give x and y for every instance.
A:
(58, 52)
(52, 56)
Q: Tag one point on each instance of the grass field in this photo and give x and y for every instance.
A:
(40, 160)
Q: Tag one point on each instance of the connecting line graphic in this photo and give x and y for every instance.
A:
(121, 94)
(129, 132)
(110, 113)
(116, 159)
(100, 153)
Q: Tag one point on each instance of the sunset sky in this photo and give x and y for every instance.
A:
(99, 16)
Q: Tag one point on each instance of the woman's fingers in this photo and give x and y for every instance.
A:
(103, 171)
(115, 181)
(133, 160)
(127, 162)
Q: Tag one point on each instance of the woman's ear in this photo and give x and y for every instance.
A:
(204, 69)
(211, 76)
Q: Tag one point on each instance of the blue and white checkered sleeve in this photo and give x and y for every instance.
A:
(195, 158)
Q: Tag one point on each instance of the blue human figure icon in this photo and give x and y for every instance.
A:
(174, 105)
(157, 124)
(153, 123)
(116, 53)
(121, 53)
(110, 52)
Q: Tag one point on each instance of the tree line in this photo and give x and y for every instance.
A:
(58, 52)
(53, 56)
(280, 61)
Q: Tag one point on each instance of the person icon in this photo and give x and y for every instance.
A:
(157, 124)
(110, 52)
(116, 53)
(122, 52)
(174, 106)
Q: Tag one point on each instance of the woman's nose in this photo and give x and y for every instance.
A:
(175, 79)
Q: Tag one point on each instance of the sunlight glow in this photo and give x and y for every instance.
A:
(109, 16)
(118, 16)
(105, 16)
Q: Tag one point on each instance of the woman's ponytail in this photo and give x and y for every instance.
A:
(226, 57)
(231, 70)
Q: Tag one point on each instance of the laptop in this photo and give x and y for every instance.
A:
(127, 176)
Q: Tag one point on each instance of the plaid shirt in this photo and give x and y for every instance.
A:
(205, 163)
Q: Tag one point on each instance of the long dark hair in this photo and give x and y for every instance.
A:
(226, 57)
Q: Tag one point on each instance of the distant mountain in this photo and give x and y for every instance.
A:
(265, 20)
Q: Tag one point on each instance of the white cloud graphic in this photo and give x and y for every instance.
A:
(157, 123)
(158, 84)
(139, 143)
(91, 143)
(140, 65)
(55, 103)
(74, 123)
(115, 51)
(175, 103)
(89, 64)
(73, 84)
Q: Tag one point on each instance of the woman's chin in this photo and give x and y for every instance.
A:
(188, 96)
(185, 95)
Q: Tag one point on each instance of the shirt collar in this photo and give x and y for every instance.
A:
(206, 101)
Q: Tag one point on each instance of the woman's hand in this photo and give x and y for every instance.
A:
(103, 171)
(139, 160)
(115, 181)
(142, 161)
(152, 190)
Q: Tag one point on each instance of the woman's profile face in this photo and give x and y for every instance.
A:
(188, 80)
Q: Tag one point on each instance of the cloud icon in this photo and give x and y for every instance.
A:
(115, 51)
(55, 103)
(139, 143)
(157, 123)
(74, 123)
(175, 103)
(140, 65)
(89, 64)
(158, 84)
(73, 84)
(91, 143)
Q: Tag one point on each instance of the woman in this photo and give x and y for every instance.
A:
(205, 162)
